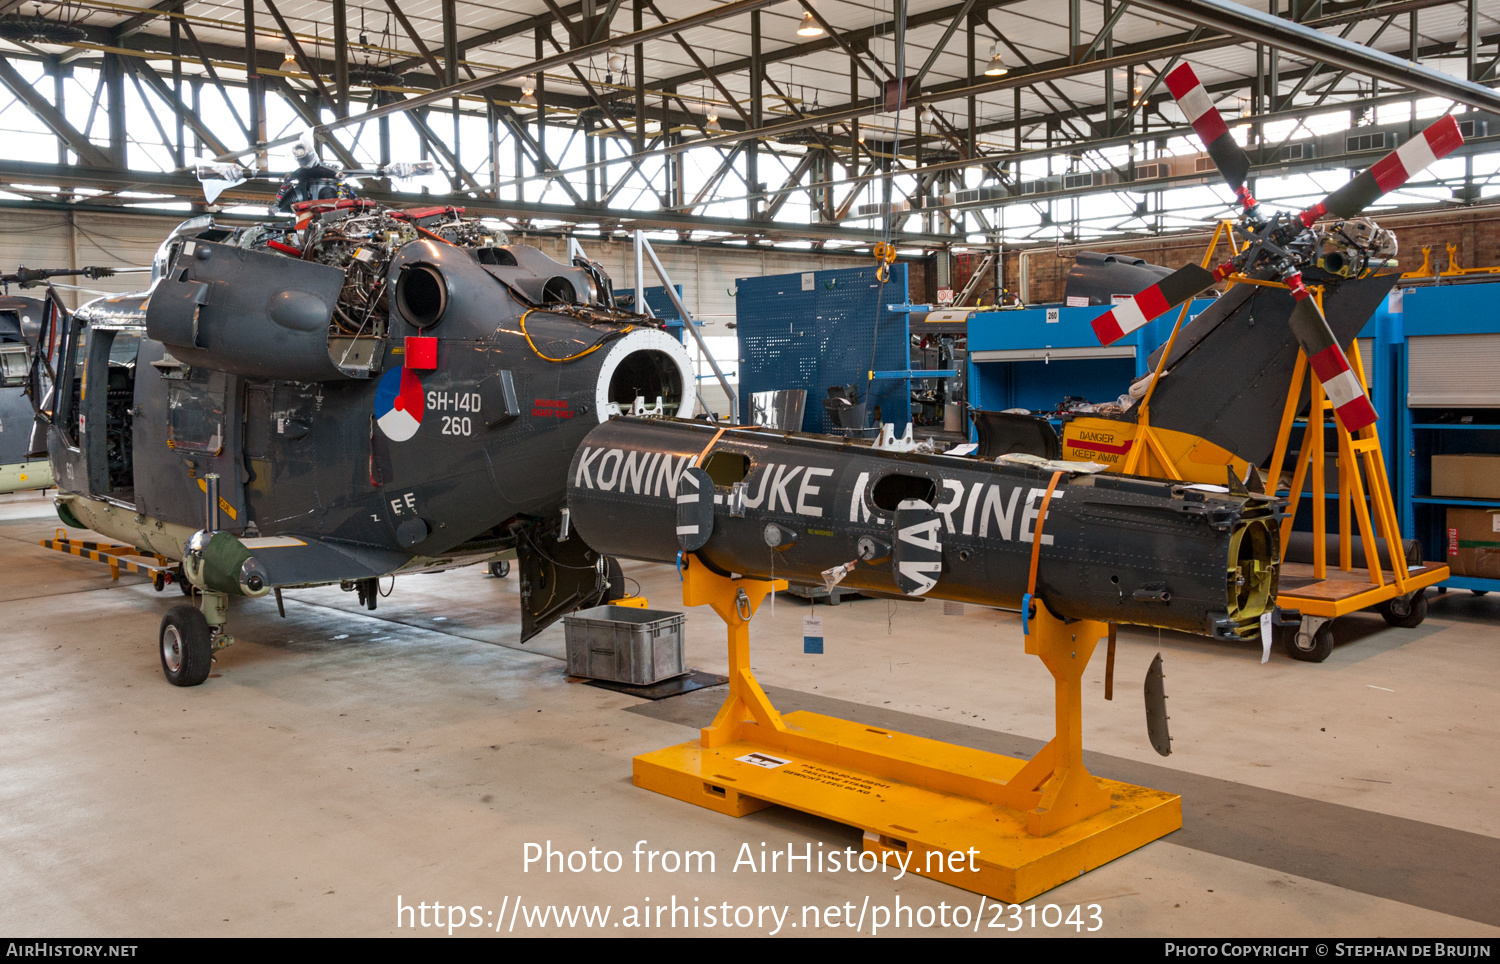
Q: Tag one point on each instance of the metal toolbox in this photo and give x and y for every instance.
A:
(624, 645)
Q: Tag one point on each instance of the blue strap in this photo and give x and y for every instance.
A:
(1026, 615)
(679, 565)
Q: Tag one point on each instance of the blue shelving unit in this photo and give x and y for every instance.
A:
(1467, 309)
(817, 329)
(1032, 357)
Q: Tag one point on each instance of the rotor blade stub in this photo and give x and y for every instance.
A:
(1390, 172)
(1330, 365)
(1232, 161)
(1166, 294)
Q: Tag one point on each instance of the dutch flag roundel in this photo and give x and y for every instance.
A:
(398, 404)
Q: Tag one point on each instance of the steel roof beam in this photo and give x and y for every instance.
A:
(701, 18)
(185, 186)
(1252, 25)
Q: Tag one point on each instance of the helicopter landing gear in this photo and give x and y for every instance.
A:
(500, 568)
(189, 637)
(368, 591)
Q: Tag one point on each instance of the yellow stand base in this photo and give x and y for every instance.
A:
(1006, 828)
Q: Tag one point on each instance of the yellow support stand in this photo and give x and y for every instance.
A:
(995, 825)
(1363, 488)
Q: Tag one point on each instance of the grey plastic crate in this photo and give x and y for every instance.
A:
(624, 645)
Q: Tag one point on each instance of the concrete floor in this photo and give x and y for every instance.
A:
(340, 761)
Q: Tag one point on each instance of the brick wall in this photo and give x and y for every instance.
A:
(1475, 230)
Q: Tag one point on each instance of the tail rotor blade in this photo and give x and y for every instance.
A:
(1156, 300)
(1390, 172)
(1200, 111)
(1330, 364)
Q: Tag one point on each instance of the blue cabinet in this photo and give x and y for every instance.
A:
(1431, 427)
(1033, 357)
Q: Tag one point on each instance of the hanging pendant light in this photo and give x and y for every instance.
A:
(996, 66)
(713, 120)
(528, 91)
(289, 62)
(809, 26)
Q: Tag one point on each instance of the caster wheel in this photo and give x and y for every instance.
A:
(1405, 611)
(186, 646)
(500, 568)
(1308, 647)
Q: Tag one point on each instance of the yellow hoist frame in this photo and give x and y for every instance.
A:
(995, 825)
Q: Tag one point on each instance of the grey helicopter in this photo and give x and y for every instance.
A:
(341, 392)
(23, 450)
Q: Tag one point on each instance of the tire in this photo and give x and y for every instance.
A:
(1406, 612)
(183, 583)
(186, 646)
(500, 568)
(1313, 650)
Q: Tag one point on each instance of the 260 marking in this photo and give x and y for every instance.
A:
(457, 425)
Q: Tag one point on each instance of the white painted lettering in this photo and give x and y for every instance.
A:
(784, 476)
(858, 512)
(618, 455)
(806, 489)
(948, 508)
(1004, 514)
(754, 501)
(584, 461)
(969, 509)
(1033, 509)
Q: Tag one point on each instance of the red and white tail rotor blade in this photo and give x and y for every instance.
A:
(1157, 300)
(1200, 111)
(1390, 172)
(1329, 363)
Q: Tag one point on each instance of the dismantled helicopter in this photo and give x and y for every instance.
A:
(1298, 283)
(1343, 257)
(340, 395)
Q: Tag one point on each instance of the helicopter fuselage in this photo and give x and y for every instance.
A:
(404, 402)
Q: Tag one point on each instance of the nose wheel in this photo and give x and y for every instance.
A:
(186, 646)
